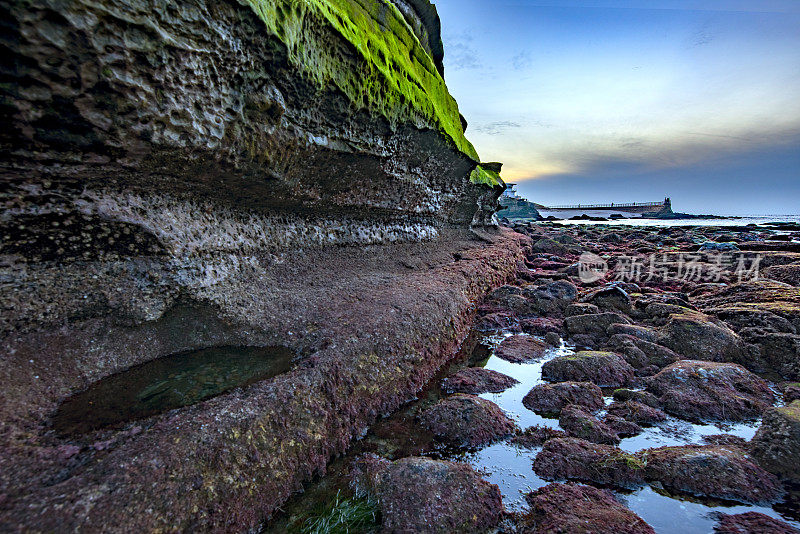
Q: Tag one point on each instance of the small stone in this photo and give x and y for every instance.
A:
(520, 349)
(467, 421)
(476, 380)
(550, 399)
(579, 423)
(636, 412)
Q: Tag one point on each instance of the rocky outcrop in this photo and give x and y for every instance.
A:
(776, 445)
(175, 177)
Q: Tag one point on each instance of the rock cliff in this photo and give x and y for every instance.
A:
(192, 174)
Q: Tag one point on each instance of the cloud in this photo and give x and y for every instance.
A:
(496, 127)
(459, 53)
(522, 60)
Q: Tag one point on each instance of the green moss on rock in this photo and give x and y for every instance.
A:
(398, 79)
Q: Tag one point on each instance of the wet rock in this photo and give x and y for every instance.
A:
(552, 339)
(726, 440)
(493, 322)
(535, 436)
(425, 495)
(611, 238)
(573, 508)
(740, 317)
(636, 412)
(644, 397)
(658, 310)
(542, 326)
(581, 308)
(789, 274)
(606, 369)
(550, 399)
(712, 471)
(640, 353)
(549, 246)
(623, 428)
(776, 445)
(752, 523)
(553, 298)
(710, 391)
(519, 349)
(467, 421)
(508, 300)
(579, 423)
(694, 336)
(476, 380)
(710, 246)
(593, 324)
(577, 459)
(612, 298)
(641, 333)
(777, 353)
(791, 392)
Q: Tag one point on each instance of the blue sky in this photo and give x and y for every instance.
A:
(632, 100)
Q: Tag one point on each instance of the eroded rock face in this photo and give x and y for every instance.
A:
(776, 445)
(467, 421)
(561, 508)
(713, 391)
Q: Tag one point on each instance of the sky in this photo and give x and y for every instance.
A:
(589, 101)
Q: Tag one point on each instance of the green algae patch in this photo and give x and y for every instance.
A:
(790, 411)
(396, 77)
(482, 175)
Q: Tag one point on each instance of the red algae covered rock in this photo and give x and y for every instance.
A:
(476, 380)
(752, 523)
(636, 412)
(710, 391)
(776, 445)
(579, 423)
(535, 436)
(602, 368)
(575, 508)
(550, 399)
(424, 495)
(577, 459)
(695, 336)
(467, 421)
(519, 349)
(711, 471)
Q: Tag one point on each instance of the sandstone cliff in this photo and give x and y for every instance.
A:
(180, 175)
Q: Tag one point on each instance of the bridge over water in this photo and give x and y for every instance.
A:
(626, 207)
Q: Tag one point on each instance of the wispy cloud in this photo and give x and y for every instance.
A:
(522, 60)
(460, 54)
(496, 127)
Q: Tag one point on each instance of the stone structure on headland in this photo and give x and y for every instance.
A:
(193, 174)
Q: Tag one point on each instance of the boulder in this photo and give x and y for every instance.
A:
(520, 349)
(467, 421)
(550, 246)
(741, 317)
(711, 471)
(535, 436)
(476, 380)
(577, 459)
(550, 399)
(694, 336)
(710, 391)
(752, 523)
(553, 298)
(606, 369)
(789, 274)
(776, 445)
(570, 508)
(581, 308)
(777, 352)
(579, 423)
(644, 397)
(620, 426)
(640, 353)
(424, 495)
(636, 412)
(612, 298)
(593, 323)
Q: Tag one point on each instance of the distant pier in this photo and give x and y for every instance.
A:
(627, 207)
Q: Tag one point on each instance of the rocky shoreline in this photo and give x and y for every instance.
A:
(645, 355)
